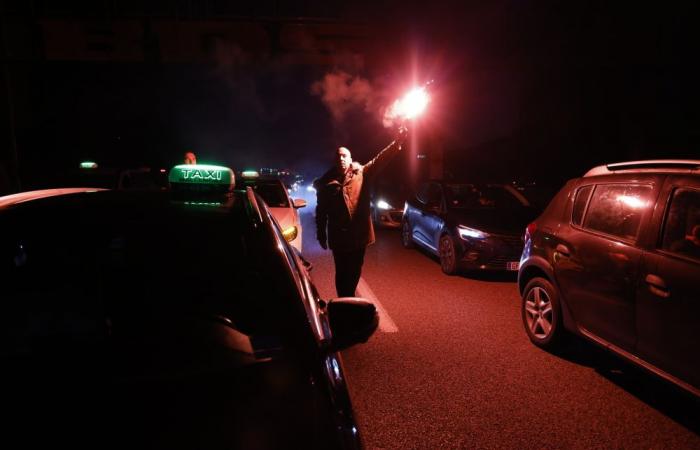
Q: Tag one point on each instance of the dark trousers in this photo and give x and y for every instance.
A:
(348, 268)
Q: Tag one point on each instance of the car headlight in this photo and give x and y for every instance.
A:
(381, 204)
(466, 232)
(310, 188)
(290, 233)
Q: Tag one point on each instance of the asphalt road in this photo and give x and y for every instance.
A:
(451, 367)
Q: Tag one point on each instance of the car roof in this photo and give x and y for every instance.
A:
(261, 180)
(22, 197)
(150, 202)
(653, 165)
(467, 182)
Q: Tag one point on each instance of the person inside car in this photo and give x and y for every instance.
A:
(189, 158)
(690, 245)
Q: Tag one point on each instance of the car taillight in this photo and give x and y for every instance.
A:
(529, 230)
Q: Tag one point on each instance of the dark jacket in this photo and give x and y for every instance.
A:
(342, 207)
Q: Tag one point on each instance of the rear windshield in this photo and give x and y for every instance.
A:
(78, 271)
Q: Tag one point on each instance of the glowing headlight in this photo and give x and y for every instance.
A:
(310, 188)
(381, 204)
(290, 233)
(466, 232)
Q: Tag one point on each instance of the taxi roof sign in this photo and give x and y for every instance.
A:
(88, 165)
(250, 174)
(202, 178)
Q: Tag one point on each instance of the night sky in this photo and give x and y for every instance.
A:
(526, 90)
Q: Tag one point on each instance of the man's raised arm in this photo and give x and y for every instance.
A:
(380, 161)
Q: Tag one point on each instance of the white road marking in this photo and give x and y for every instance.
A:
(385, 323)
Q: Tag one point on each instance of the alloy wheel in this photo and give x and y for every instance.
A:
(448, 260)
(539, 312)
(406, 239)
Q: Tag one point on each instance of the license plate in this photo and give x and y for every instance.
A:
(513, 265)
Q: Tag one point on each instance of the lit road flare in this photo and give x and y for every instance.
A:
(409, 106)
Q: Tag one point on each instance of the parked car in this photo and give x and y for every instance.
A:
(468, 226)
(168, 319)
(283, 207)
(386, 205)
(615, 258)
(90, 174)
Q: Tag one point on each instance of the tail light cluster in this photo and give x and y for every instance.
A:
(529, 230)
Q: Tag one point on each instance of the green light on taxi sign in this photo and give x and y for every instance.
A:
(88, 165)
(219, 177)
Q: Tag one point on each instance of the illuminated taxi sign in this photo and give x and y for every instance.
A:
(250, 174)
(88, 165)
(202, 177)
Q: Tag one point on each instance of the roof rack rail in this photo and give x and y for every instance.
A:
(671, 165)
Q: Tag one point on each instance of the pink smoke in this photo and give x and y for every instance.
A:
(342, 92)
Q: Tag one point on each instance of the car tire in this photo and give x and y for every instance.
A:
(406, 239)
(448, 255)
(541, 314)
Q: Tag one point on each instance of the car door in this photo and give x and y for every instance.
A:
(596, 258)
(428, 216)
(668, 296)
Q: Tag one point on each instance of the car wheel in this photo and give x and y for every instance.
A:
(541, 314)
(406, 239)
(448, 255)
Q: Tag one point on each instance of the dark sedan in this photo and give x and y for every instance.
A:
(168, 319)
(468, 226)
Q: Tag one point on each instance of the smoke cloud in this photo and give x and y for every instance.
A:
(342, 92)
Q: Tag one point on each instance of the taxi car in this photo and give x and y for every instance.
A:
(178, 319)
(283, 207)
(92, 174)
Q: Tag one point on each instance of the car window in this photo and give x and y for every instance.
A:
(422, 194)
(682, 224)
(484, 196)
(434, 194)
(580, 204)
(617, 209)
(538, 196)
(273, 193)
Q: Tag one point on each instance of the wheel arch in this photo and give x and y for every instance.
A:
(536, 267)
(540, 267)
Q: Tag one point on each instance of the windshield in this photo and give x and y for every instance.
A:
(272, 192)
(469, 196)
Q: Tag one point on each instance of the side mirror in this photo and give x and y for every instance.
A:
(352, 320)
(299, 203)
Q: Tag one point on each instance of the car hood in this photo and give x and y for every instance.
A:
(493, 220)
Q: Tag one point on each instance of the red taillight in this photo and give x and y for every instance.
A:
(529, 230)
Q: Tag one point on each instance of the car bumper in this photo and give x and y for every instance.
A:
(494, 253)
(390, 218)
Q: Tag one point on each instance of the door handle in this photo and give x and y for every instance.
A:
(657, 286)
(619, 257)
(563, 250)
